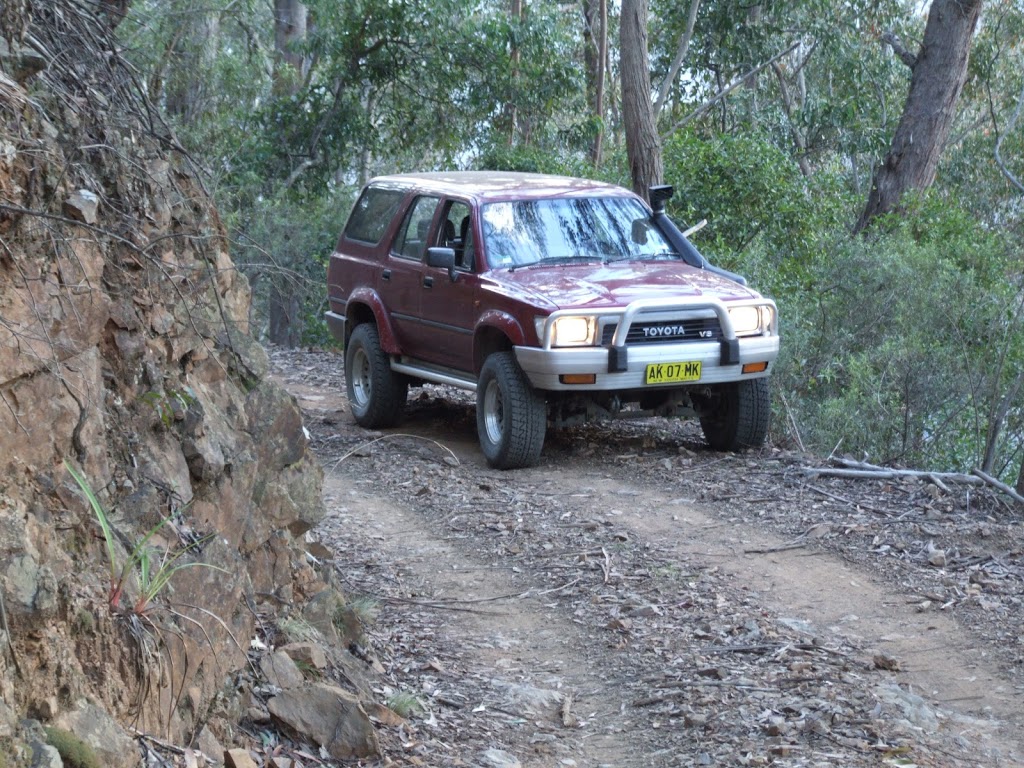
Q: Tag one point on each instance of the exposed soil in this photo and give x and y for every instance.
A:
(639, 600)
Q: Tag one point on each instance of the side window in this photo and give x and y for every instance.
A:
(411, 242)
(457, 233)
(372, 213)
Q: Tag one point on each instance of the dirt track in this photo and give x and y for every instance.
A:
(636, 600)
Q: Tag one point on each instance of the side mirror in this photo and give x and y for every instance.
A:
(442, 258)
(640, 229)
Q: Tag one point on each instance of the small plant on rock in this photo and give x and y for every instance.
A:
(153, 570)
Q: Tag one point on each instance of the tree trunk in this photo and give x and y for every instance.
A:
(189, 63)
(290, 19)
(643, 146)
(289, 31)
(939, 73)
(595, 54)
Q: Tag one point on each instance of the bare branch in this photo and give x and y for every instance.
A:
(736, 83)
(677, 62)
(787, 107)
(890, 39)
(999, 142)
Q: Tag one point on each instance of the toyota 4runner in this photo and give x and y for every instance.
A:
(557, 300)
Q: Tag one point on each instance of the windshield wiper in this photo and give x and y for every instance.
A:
(561, 260)
(659, 256)
(572, 259)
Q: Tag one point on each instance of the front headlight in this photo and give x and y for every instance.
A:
(746, 321)
(570, 330)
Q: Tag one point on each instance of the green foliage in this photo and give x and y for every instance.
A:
(883, 355)
(152, 570)
(74, 752)
(283, 245)
(748, 190)
(499, 156)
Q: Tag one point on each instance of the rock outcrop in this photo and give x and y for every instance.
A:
(124, 353)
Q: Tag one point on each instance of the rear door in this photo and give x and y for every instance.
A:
(402, 275)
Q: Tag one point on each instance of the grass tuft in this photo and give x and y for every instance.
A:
(74, 752)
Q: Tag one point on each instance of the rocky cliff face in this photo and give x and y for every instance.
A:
(124, 351)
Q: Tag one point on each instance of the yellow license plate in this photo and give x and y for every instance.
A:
(672, 373)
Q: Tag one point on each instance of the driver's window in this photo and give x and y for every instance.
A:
(411, 242)
(458, 234)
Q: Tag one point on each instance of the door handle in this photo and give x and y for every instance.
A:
(428, 281)
(386, 274)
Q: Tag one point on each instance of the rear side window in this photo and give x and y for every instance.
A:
(411, 242)
(372, 213)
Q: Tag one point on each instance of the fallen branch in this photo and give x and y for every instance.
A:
(989, 480)
(884, 473)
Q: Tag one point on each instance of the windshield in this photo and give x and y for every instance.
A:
(567, 230)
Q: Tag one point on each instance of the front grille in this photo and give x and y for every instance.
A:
(667, 331)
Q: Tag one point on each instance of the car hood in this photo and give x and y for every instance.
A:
(603, 286)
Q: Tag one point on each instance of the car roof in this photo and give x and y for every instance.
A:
(492, 186)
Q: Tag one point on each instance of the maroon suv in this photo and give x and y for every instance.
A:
(557, 300)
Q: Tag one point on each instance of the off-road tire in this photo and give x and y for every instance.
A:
(376, 394)
(736, 415)
(511, 416)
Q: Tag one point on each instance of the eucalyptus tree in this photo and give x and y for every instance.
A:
(939, 72)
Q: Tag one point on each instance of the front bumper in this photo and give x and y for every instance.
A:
(622, 364)
(544, 367)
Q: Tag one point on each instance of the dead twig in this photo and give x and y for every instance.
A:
(700, 684)
(365, 445)
(441, 606)
(572, 583)
(769, 550)
(845, 500)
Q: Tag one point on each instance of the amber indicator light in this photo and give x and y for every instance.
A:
(578, 378)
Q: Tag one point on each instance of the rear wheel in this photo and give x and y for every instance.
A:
(735, 416)
(376, 394)
(511, 416)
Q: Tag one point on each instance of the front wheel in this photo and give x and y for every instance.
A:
(511, 416)
(376, 394)
(735, 416)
